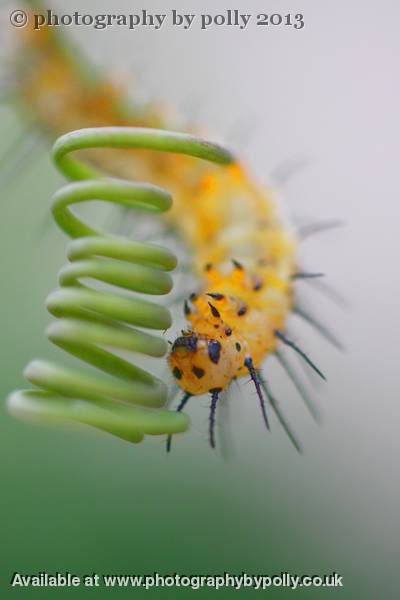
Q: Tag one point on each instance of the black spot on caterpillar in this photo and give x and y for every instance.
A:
(214, 351)
(257, 284)
(242, 310)
(214, 311)
(189, 342)
(198, 372)
(177, 373)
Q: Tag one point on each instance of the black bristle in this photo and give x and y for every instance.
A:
(254, 377)
(304, 275)
(237, 264)
(308, 230)
(294, 346)
(320, 327)
(301, 390)
(179, 409)
(275, 407)
(211, 428)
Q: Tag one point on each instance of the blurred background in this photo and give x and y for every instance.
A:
(326, 96)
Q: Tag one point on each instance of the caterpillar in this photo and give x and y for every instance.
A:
(243, 256)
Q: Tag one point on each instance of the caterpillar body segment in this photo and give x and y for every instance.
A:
(246, 261)
(90, 322)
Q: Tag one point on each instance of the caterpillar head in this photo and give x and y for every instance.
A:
(201, 362)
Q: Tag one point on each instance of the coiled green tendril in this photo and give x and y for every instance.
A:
(91, 321)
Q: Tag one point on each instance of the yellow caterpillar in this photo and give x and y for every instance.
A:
(244, 257)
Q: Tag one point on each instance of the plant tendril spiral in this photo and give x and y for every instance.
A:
(90, 322)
